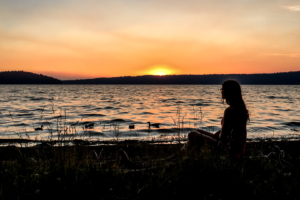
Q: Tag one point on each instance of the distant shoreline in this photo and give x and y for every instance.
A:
(288, 78)
(283, 78)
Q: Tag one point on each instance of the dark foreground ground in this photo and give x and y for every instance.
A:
(134, 170)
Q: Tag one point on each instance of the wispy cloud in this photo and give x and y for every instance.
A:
(294, 55)
(293, 8)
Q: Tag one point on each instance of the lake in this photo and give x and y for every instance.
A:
(274, 111)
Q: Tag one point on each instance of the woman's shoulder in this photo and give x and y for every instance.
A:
(233, 111)
(229, 113)
(229, 110)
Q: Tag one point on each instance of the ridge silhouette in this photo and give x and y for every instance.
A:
(21, 77)
(282, 78)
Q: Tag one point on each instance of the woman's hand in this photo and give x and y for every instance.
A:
(217, 135)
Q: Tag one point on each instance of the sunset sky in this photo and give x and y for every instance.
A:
(70, 39)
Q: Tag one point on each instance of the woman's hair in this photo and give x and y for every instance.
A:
(233, 95)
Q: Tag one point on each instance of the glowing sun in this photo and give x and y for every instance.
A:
(159, 70)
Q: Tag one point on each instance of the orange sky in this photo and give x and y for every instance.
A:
(88, 39)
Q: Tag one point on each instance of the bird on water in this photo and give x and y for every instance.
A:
(74, 124)
(39, 129)
(131, 126)
(90, 125)
(155, 125)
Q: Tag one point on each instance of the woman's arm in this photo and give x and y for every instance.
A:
(205, 132)
(227, 125)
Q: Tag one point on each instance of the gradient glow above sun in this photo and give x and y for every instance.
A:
(90, 39)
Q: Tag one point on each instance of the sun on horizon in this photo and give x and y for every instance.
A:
(160, 70)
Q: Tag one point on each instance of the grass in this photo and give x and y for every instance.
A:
(145, 171)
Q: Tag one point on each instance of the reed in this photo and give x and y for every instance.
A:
(139, 171)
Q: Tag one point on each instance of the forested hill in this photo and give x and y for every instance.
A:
(284, 78)
(20, 77)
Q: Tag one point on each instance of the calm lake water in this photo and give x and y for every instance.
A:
(274, 110)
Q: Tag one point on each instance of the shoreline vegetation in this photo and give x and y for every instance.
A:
(135, 170)
(280, 78)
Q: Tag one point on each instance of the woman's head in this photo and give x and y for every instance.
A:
(232, 94)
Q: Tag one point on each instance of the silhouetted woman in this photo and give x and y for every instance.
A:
(232, 136)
